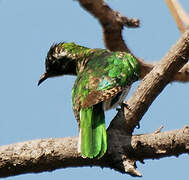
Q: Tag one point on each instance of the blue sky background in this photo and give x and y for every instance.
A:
(28, 29)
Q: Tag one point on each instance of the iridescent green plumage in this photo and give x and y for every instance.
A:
(103, 81)
(93, 132)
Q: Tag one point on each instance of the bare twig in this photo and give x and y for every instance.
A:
(112, 23)
(174, 9)
(181, 12)
(183, 74)
(158, 130)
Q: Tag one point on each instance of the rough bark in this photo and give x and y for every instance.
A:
(155, 81)
(50, 154)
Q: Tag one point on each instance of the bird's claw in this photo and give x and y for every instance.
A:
(118, 109)
(125, 105)
(138, 126)
(122, 105)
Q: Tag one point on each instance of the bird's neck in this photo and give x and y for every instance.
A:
(77, 57)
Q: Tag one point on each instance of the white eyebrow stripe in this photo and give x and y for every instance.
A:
(60, 55)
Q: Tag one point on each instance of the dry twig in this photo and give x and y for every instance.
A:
(180, 16)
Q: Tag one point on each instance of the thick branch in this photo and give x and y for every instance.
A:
(49, 154)
(155, 81)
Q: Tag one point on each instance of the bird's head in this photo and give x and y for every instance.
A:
(57, 63)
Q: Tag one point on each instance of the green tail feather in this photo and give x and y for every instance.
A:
(93, 132)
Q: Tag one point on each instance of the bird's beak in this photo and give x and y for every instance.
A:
(43, 78)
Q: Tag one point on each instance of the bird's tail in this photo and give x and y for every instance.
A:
(93, 137)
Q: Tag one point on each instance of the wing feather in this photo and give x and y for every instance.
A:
(97, 96)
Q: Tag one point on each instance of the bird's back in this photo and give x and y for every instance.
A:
(104, 75)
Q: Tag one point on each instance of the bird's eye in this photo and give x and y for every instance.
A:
(55, 65)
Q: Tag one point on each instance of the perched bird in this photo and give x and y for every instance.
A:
(103, 81)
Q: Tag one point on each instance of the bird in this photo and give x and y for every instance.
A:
(103, 80)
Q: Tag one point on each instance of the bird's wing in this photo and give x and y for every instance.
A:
(97, 96)
(102, 79)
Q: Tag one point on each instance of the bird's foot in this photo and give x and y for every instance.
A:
(122, 105)
(125, 105)
(138, 126)
(118, 108)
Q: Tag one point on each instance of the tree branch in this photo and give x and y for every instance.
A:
(178, 13)
(172, 5)
(183, 74)
(50, 154)
(123, 148)
(155, 81)
(112, 23)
